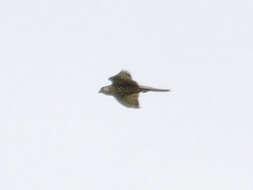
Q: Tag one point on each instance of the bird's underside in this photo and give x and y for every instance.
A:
(126, 90)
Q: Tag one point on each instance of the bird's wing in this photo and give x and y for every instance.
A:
(129, 100)
(123, 77)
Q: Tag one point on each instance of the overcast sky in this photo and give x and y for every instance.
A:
(57, 132)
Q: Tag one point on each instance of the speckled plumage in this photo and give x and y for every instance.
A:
(126, 90)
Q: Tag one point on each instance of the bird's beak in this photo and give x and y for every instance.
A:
(100, 91)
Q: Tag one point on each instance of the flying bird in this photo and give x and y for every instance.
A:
(126, 90)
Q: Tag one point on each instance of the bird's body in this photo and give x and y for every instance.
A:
(126, 90)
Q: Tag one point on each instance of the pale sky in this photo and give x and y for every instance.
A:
(58, 132)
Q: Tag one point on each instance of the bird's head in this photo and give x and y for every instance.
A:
(106, 90)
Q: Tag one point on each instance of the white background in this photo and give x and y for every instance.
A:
(57, 132)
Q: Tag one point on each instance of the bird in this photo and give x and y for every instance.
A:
(126, 90)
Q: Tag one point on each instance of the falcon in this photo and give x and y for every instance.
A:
(126, 90)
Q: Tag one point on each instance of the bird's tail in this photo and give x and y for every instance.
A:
(147, 89)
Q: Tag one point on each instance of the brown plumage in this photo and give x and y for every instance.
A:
(126, 90)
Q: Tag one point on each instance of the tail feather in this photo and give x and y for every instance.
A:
(147, 88)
